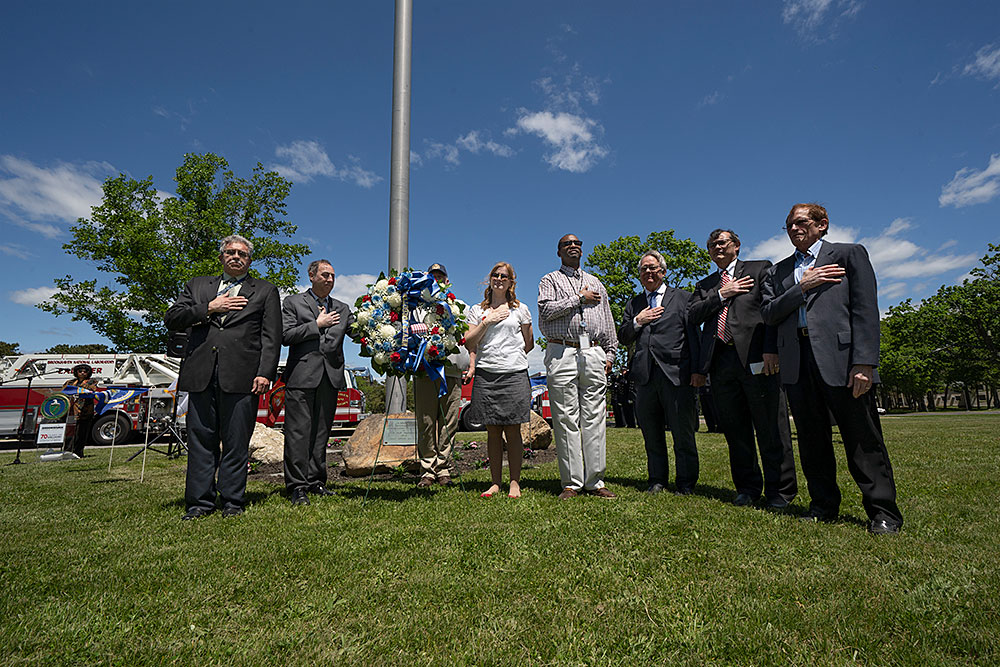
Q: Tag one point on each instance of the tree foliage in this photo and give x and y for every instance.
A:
(951, 339)
(617, 264)
(9, 349)
(149, 246)
(86, 348)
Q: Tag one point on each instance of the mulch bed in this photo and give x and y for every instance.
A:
(467, 457)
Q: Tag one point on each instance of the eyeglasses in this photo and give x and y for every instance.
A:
(721, 243)
(563, 244)
(499, 276)
(798, 223)
(229, 252)
(649, 269)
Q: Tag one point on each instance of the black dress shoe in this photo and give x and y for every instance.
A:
(299, 497)
(816, 514)
(883, 527)
(656, 488)
(778, 503)
(683, 491)
(320, 490)
(742, 500)
(196, 513)
(230, 512)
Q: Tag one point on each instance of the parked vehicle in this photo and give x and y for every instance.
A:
(156, 372)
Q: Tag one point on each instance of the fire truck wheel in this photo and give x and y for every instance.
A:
(466, 424)
(104, 429)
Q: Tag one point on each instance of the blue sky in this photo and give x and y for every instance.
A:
(530, 120)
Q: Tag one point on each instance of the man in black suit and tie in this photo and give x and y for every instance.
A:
(741, 354)
(823, 300)
(313, 326)
(232, 358)
(666, 347)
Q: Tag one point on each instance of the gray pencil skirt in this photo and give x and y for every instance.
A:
(500, 399)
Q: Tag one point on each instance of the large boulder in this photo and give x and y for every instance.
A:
(361, 448)
(267, 445)
(536, 434)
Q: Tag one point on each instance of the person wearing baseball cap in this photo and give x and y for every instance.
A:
(82, 408)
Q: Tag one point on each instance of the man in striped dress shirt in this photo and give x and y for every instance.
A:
(575, 318)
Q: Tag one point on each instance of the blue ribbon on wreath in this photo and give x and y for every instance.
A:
(410, 285)
(413, 362)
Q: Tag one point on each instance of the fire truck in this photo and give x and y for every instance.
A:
(26, 381)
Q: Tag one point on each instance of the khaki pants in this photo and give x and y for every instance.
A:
(577, 384)
(437, 423)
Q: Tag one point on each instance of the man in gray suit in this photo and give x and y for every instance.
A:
(667, 349)
(823, 299)
(313, 326)
(231, 359)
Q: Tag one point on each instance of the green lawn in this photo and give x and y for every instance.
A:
(98, 568)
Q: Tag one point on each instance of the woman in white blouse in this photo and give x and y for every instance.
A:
(500, 335)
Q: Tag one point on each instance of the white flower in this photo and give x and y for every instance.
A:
(386, 332)
(363, 317)
(380, 357)
(394, 299)
(381, 287)
(426, 295)
(431, 318)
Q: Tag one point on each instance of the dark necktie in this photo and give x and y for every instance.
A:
(723, 331)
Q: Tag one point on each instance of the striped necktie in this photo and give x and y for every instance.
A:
(723, 331)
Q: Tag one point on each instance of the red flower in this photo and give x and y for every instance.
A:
(451, 297)
(395, 356)
(392, 281)
(462, 342)
(393, 316)
(366, 299)
(433, 350)
(440, 309)
(436, 330)
(364, 341)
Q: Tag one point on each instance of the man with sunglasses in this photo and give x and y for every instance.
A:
(232, 358)
(823, 300)
(575, 318)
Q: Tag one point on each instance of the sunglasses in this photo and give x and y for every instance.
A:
(563, 244)
(499, 276)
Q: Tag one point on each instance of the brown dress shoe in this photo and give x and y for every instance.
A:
(444, 480)
(567, 494)
(602, 493)
(425, 482)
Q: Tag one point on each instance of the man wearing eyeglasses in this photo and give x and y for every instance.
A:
(741, 354)
(666, 350)
(823, 300)
(575, 318)
(232, 358)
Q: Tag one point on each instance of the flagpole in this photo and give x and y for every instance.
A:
(399, 186)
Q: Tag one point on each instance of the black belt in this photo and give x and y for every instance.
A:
(567, 343)
(803, 332)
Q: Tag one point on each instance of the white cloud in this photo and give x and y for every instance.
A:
(970, 186)
(986, 64)
(31, 196)
(32, 296)
(304, 160)
(807, 16)
(536, 360)
(475, 142)
(14, 250)
(894, 257)
(709, 100)
(415, 158)
(571, 139)
(350, 286)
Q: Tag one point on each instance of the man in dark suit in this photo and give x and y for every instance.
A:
(666, 346)
(232, 358)
(823, 301)
(741, 354)
(313, 326)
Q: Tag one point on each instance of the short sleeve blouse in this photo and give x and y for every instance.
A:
(501, 349)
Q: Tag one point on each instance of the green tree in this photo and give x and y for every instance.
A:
(9, 349)
(87, 348)
(149, 247)
(617, 266)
